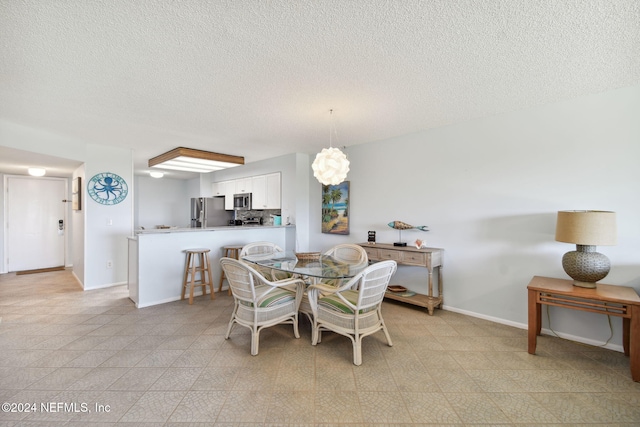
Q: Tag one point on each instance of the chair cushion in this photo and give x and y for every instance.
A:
(333, 302)
(273, 298)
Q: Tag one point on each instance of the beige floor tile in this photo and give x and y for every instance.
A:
(169, 365)
(429, 408)
(383, 407)
(137, 379)
(177, 379)
(198, 406)
(337, 407)
(217, 378)
(245, 406)
(476, 408)
(154, 406)
(291, 406)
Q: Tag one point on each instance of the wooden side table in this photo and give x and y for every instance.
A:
(429, 258)
(620, 301)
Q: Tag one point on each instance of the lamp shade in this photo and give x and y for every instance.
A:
(330, 166)
(593, 228)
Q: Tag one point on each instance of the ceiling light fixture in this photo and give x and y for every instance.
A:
(190, 160)
(37, 171)
(331, 165)
(155, 174)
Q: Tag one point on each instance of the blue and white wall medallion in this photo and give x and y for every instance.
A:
(107, 188)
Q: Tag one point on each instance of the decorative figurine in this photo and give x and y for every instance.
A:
(399, 225)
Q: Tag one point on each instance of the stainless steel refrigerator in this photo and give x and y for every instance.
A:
(209, 212)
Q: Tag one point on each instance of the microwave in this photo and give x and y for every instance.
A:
(242, 202)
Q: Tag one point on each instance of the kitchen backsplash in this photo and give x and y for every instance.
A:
(267, 219)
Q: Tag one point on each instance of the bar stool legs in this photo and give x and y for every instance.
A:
(197, 263)
(228, 252)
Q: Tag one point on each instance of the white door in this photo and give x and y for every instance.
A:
(34, 211)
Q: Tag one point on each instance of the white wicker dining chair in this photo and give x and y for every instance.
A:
(353, 309)
(347, 252)
(260, 303)
(260, 248)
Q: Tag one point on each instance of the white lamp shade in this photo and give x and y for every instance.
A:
(594, 228)
(330, 166)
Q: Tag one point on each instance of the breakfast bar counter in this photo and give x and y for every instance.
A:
(157, 258)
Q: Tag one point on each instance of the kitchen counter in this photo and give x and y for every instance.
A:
(157, 257)
(217, 228)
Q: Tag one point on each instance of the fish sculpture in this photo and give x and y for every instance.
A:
(399, 225)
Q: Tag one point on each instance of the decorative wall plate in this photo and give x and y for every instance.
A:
(107, 188)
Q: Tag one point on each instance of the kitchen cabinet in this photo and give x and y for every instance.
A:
(429, 258)
(266, 191)
(229, 191)
(243, 185)
(219, 188)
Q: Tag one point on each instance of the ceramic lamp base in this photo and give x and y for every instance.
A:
(586, 266)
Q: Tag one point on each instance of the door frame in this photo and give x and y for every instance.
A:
(5, 216)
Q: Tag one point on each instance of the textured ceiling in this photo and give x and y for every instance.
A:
(258, 78)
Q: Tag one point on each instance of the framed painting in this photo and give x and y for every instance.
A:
(76, 201)
(335, 208)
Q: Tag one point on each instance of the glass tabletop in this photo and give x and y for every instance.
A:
(325, 266)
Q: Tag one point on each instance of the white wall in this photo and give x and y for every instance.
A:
(490, 189)
(107, 226)
(162, 201)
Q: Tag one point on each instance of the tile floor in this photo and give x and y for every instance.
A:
(92, 358)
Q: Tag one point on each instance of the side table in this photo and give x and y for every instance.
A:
(428, 258)
(619, 301)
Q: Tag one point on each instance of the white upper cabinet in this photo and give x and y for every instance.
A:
(229, 191)
(243, 185)
(219, 188)
(266, 191)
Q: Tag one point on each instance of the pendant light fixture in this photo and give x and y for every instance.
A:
(331, 165)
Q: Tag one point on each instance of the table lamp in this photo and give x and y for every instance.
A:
(586, 229)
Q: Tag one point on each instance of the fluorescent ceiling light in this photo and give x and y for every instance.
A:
(190, 160)
(37, 171)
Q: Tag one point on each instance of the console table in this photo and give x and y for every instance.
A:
(429, 258)
(620, 301)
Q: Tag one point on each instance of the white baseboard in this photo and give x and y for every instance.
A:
(544, 331)
(106, 285)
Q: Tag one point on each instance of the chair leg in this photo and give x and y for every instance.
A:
(314, 333)
(386, 334)
(296, 333)
(233, 319)
(357, 350)
(255, 341)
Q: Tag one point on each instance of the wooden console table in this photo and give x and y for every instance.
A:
(429, 258)
(620, 301)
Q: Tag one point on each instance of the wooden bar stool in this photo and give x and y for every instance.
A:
(229, 252)
(197, 262)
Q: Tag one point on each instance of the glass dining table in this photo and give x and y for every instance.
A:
(312, 270)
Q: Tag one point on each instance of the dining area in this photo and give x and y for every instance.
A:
(338, 291)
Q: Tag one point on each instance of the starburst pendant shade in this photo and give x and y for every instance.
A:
(330, 166)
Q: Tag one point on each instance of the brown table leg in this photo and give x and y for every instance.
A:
(626, 329)
(633, 339)
(535, 323)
